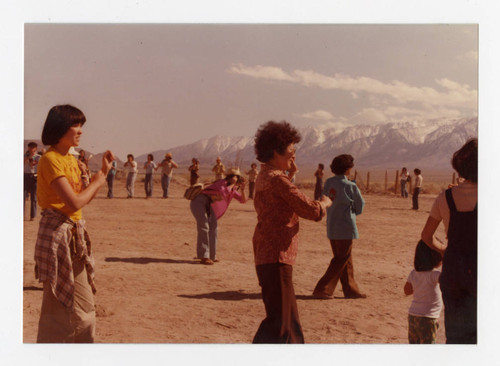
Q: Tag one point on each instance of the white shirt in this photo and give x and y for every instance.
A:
(418, 181)
(427, 300)
(131, 167)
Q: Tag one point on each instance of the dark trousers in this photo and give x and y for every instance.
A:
(251, 189)
(148, 185)
(30, 190)
(414, 198)
(110, 178)
(460, 315)
(281, 324)
(341, 267)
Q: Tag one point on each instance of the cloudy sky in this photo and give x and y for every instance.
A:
(145, 87)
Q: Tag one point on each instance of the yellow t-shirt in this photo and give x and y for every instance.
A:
(53, 165)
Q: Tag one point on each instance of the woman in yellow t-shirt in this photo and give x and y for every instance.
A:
(62, 253)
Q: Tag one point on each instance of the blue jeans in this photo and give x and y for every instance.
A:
(206, 225)
(148, 184)
(110, 179)
(404, 191)
(165, 182)
(30, 190)
(130, 184)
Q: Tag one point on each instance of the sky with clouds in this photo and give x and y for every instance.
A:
(145, 87)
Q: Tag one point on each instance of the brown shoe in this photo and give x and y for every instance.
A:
(355, 296)
(207, 261)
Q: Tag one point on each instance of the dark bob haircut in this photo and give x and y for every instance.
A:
(426, 258)
(341, 163)
(274, 136)
(464, 161)
(58, 122)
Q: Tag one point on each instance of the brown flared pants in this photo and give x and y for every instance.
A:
(281, 324)
(341, 267)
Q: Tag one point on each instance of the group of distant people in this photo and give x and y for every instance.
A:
(65, 266)
(404, 179)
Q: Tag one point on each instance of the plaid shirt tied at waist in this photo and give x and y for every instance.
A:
(61, 241)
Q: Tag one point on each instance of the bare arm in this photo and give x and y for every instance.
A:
(408, 288)
(76, 201)
(428, 235)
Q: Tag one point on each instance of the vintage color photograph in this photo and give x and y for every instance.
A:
(228, 184)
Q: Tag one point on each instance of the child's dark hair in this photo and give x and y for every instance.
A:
(417, 171)
(426, 258)
(130, 156)
(58, 122)
(151, 156)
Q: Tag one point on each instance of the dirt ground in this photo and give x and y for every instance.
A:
(151, 290)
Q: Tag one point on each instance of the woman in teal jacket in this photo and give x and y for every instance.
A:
(341, 230)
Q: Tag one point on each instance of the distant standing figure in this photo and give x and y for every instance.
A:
(457, 208)
(209, 206)
(252, 176)
(318, 189)
(218, 169)
(31, 159)
(418, 188)
(403, 179)
(167, 167)
(423, 283)
(150, 167)
(83, 163)
(193, 169)
(110, 179)
(341, 230)
(130, 168)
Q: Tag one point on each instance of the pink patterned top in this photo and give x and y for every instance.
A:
(279, 203)
(221, 196)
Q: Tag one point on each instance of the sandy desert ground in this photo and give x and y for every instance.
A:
(151, 290)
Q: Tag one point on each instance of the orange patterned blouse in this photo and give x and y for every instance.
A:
(279, 203)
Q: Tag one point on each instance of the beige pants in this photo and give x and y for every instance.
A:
(57, 324)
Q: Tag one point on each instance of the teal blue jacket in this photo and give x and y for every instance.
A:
(347, 204)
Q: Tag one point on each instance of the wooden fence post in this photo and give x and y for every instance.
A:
(367, 181)
(385, 183)
(453, 179)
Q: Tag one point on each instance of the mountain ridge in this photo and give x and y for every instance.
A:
(392, 145)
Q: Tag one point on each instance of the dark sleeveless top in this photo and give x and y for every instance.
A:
(460, 258)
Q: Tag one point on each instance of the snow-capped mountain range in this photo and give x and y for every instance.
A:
(427, 144)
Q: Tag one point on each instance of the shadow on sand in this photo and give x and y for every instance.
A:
(225, 295)
(147, 260)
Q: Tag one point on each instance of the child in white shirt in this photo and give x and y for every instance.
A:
(423, 283)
